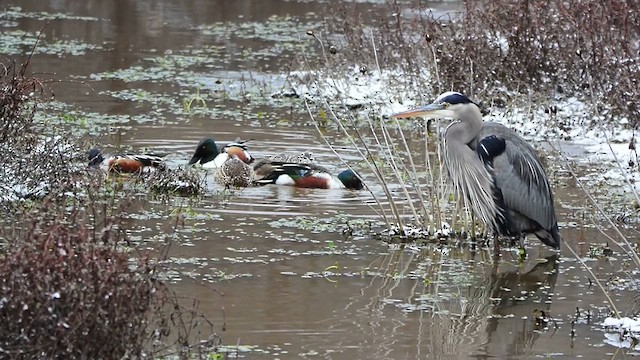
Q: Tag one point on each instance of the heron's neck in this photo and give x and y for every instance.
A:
(466, 127)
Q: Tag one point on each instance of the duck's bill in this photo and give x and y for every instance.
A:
(194, 160)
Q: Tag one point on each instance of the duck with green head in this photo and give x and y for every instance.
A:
(209, 155)
(311, 176)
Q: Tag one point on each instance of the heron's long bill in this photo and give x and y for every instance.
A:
(436, 110)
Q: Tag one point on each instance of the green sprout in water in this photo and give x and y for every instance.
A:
(331, 245)
(334, 269)
(522, 254)
(183, 211)
(188, 102)
(215, 356)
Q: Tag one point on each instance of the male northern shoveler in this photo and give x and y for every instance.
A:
(124, 163)
(310, 176)
(209, 155)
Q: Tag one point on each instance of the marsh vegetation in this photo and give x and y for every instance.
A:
(171, 264)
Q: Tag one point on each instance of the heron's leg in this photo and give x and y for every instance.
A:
(473, 227)
(522, 251)
(496, 243)
(496, 250)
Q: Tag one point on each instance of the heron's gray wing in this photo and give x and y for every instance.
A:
(520, 177)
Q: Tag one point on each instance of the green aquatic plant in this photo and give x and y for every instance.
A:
(14, 42)
(333, 269)
(188, 102)
(331, 245)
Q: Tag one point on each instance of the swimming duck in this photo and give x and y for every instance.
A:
(309, 176)
(234, 173)
(293, 169)
(292, 157)
(209, 155)
(124, 163)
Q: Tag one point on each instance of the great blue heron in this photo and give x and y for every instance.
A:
(494, 170)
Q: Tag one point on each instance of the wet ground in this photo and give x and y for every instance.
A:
(276, 268)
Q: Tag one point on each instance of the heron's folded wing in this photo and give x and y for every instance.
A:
(523, 183)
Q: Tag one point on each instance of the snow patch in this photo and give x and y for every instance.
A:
(360, 87)
(623, 332)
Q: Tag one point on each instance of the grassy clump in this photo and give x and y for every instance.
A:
(182, 181)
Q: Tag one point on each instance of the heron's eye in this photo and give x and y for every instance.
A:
(445, 105)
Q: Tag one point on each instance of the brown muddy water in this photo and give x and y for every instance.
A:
(272, 267)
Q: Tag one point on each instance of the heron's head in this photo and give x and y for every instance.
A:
(449, 105)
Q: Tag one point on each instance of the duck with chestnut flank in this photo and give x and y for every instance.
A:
(125, 163)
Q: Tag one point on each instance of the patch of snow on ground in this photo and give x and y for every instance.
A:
(359, 88)
(622, 333)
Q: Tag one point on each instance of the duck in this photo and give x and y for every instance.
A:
(124, 163)
(235, 172)
(305, 157)
(210, 156)
(235, 167)
(309, 176)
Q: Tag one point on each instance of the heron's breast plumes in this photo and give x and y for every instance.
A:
(472, 181)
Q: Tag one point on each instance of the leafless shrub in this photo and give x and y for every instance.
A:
(33, 163)
(537, 48)
(16, 88)
(548, 47)
(68, 291)
(71, 285)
